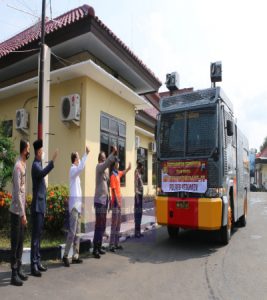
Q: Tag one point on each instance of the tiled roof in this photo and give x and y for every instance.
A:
(262, 154)
(32, 34)
(125, 47)
(152, 112)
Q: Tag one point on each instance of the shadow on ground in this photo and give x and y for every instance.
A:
(4, 278)
(157, 248)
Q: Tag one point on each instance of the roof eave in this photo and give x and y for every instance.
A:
(87, 68)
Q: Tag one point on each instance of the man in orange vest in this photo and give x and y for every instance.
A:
(116, 201)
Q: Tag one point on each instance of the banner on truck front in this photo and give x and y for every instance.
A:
(184, 176)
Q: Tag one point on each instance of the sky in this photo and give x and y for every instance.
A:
(183, 36)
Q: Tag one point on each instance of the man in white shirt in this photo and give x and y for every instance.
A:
(75, 207)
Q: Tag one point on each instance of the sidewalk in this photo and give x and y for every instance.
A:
(127, 231)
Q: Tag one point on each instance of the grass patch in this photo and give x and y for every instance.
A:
(47, 240)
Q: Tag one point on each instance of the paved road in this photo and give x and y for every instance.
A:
(195, 266)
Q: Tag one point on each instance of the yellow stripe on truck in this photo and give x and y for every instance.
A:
(209, 213)
(162, 210)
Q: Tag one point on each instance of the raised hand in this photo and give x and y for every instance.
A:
(55, 155)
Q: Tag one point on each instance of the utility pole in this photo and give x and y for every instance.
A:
(41, 74)
(44, 90)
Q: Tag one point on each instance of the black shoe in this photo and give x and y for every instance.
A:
(15, 280)
(119, 247)
(35, 271)
(101, 251)
(66, 261)
(22, 275)
(96, 254)
(41, 267)
(112, 249)
(77, 261)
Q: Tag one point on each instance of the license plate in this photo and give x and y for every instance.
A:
(182, 204)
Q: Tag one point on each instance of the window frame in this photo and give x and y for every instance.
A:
(7, 126)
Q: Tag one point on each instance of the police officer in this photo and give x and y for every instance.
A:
(101, 199)
(138, 199)
(38, 206)
(18, 217)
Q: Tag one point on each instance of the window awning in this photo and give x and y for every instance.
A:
(86, 68)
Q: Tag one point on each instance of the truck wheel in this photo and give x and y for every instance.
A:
(243, 219)
(226, 230)
(173, 232)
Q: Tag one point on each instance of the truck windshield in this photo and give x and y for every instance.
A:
(188, 134)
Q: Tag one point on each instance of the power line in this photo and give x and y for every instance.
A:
(24, 51)
(24, 11)
(63, 60)
(23, 3)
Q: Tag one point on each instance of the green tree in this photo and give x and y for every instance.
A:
(7, 158)
(264, 145)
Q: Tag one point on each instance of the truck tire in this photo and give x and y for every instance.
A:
(226, 230)
(173, 232)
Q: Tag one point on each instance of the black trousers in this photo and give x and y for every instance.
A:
(100, 223)
(17, 237)
(37, 230)
(138, 212)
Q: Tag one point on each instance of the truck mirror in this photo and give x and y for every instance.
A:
(215, 154)
(230, 129)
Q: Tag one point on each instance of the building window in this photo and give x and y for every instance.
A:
(7, 127)
(113, 133)
(142, 157)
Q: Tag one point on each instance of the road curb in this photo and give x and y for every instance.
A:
(55, 253)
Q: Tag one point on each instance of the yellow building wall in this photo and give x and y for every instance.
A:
(100, 100)
(62, 137)
(8, 109)
(68, 138)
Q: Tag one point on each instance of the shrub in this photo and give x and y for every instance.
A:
(57, 203)
(5, 200)
(7, 158)
(57, 206)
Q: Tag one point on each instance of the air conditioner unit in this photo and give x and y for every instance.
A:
(137, 142)
(152, 147)
(22, 119)
(70, 108)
